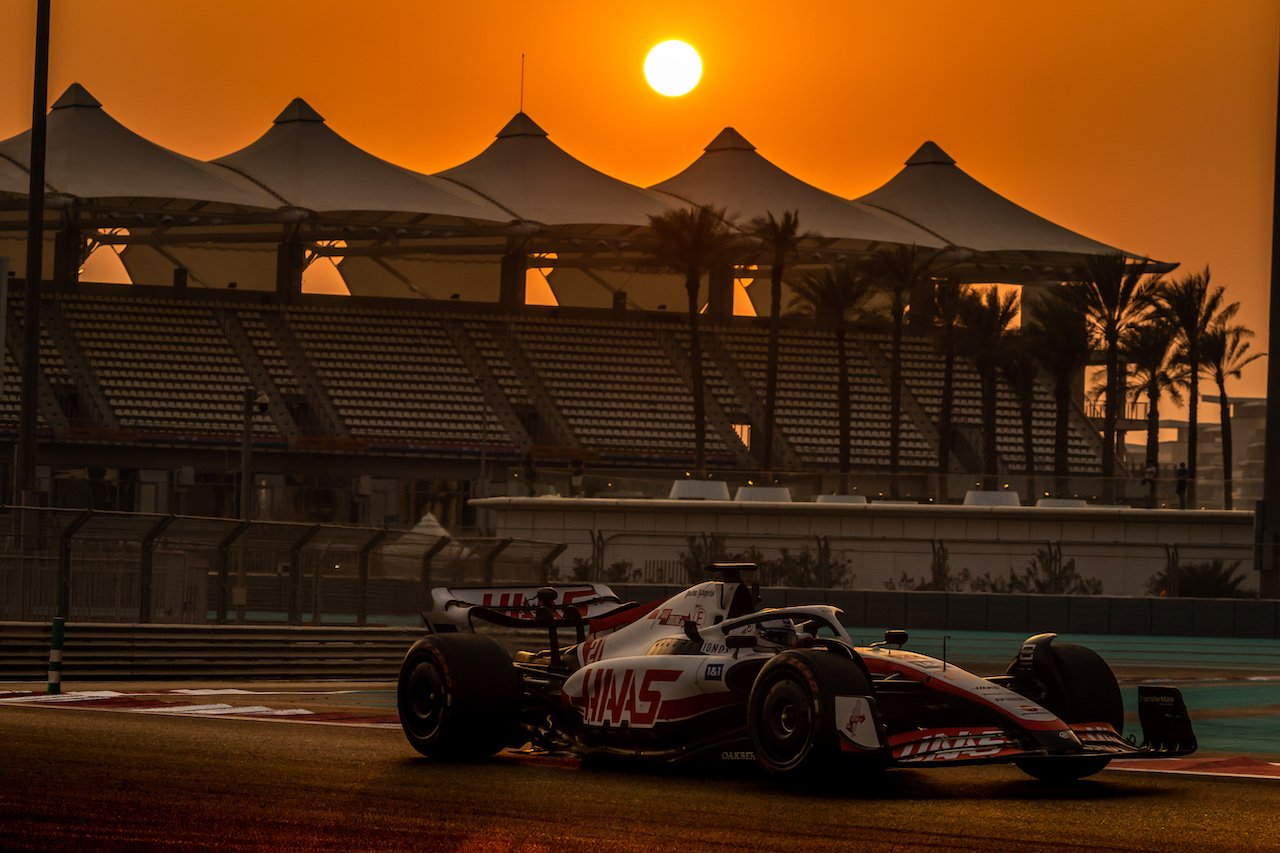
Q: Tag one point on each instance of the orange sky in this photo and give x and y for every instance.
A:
(1146, 124)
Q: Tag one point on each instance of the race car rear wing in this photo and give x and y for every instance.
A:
(454, 608)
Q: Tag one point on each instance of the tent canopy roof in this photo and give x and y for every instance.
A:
(300, 164)
(934, 193)
(731, 174)
(535, 180)
(90, 155)
(307, 165)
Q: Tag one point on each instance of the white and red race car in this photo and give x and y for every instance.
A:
(707, 675)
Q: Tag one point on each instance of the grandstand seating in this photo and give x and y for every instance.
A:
(806, 408)
(395, 379)
(617, 388)
(164, 367)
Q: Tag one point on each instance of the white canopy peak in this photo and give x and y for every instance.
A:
(521, 125)
(729, 139)
(298, 110)
(76, 96)
(930, 152)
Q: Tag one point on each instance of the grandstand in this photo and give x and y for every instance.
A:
(150, 383)
(434, 376)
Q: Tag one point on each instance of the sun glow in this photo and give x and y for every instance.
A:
(673, 68)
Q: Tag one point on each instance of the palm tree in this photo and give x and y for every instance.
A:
(780, 238)
(947, 299)
(691, 242)
(835, 298)
(986, 321)
(1147, 350)
(1224, 353)
(1020, 373)
(1192, 307)
(898, 270)
(1059, 335)
(1113, 294)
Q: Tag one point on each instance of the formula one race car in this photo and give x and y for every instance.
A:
(707, 675)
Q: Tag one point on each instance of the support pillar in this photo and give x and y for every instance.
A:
(720, 293)
(291, 260)
(921, 302)
(68, 255)
(511, 289)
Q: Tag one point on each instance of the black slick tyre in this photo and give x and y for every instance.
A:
(791, 715)
(459, 697)
(1080, 689)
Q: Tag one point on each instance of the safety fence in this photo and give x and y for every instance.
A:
(96, 566)
(111, 567)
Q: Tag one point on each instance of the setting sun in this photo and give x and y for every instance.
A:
(673, 68)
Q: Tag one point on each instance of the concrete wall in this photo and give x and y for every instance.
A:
(882, 542)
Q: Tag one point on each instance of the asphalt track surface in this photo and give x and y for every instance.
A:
(148, 767)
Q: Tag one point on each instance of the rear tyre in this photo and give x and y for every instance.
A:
(1081, 689)
(459, 697)
(791, 715)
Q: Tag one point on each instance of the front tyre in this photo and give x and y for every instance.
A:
(459, 697)
(785, 723)
(791, 714)
(1079, 688)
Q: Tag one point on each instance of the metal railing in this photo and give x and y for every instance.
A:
(1132, 410)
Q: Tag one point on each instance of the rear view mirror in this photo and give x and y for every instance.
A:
(895, 638)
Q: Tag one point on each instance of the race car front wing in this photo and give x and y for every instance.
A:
(1166, 729)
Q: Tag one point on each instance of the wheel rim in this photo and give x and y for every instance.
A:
(427, 699)
(786, 722)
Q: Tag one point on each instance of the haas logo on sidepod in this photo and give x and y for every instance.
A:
(618, 696)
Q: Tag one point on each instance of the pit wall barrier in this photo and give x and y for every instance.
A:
(1022, 614)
